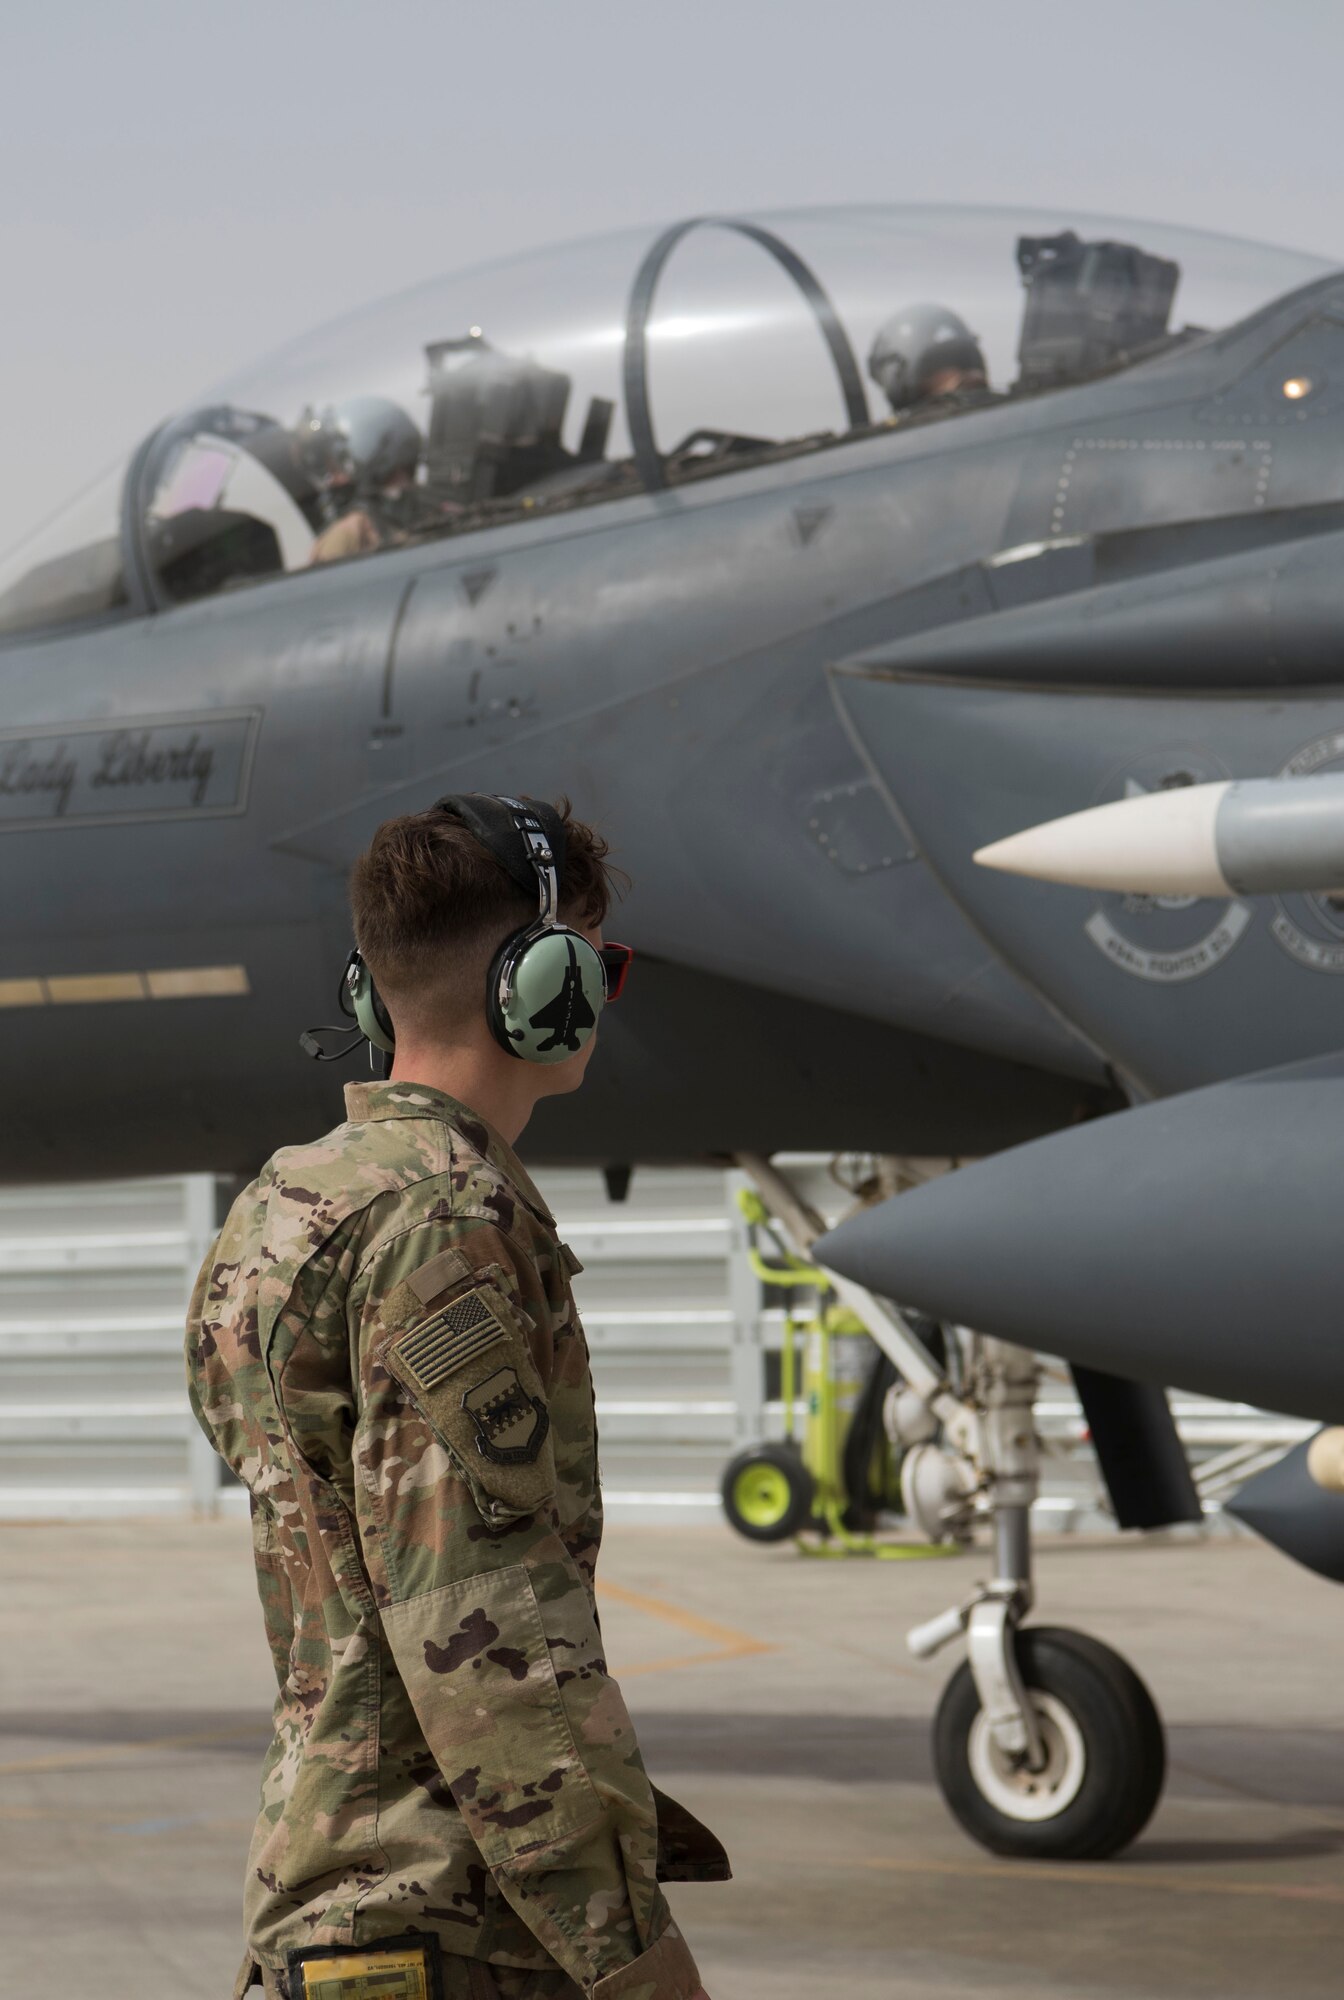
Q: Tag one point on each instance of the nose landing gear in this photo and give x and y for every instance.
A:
(1046, 1743)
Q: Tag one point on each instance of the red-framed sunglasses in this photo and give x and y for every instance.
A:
(615, 968)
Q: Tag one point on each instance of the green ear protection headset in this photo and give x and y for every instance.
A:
(546, 985)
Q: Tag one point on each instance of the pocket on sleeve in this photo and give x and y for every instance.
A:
(477, 1668)
(468, 1368)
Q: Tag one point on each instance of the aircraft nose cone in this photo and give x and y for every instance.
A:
(1188, 1243)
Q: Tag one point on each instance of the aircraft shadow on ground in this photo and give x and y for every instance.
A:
(232, 1731)
(1299, 1845)
(1277, 1767)
(1260, 1767)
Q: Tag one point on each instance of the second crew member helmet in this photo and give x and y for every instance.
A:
(916, 344)
(364, 441)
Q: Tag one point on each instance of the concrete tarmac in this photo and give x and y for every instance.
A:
(774, 1696)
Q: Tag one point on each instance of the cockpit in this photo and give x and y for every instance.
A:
(617, 366)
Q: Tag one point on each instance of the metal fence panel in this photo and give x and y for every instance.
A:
(93, 1411)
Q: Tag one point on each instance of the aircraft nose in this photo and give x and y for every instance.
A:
(1188, 1243)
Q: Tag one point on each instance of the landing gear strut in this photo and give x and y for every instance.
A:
(1046, 1743)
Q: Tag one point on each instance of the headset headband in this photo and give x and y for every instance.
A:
(525, 836)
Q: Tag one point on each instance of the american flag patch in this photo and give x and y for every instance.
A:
(460, 1333)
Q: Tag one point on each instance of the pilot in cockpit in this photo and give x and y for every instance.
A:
(362, 456)
(927, 362)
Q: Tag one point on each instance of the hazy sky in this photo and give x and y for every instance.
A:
(187, 185)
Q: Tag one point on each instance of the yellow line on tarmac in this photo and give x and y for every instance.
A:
(728, 1643)
(691, 1660)
(1084, 1874)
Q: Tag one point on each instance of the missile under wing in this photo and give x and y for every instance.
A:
(1175, 990)
(1243, 837)
(1286, 1506)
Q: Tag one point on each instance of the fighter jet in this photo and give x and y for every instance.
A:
(625, 519)
(599, 519)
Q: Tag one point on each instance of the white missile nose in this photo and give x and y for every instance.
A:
(1041, 851)
(1159, 844)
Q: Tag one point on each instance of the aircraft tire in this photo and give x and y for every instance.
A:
(1106, 1754)
(767, 1492)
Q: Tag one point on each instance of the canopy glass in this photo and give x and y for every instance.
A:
(573, 376)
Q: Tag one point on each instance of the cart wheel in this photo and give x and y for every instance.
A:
(1105, 1754)
(767, 1492)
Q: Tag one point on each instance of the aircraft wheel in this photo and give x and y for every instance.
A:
(1105, 1754)
(767, 1493)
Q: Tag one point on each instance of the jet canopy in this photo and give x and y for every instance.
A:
(619, 365)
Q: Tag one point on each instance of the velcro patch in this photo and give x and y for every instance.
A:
(469, 1370)
(436, 1276)
(459, 1334)
(511, 1426)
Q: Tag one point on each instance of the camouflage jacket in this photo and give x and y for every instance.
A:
(384, 1347)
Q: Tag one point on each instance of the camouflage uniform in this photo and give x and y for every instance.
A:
(384, 1347)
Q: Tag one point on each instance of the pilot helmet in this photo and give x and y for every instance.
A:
(917, 343)
(363, 442)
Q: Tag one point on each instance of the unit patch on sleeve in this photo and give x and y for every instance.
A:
(511, 1426)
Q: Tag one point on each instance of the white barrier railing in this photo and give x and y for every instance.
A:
(93, 1411)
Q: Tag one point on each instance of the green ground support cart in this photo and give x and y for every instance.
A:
(825, 1486)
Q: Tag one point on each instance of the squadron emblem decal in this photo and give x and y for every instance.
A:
(510, 1424)
(1167, 939)
(1310, 928)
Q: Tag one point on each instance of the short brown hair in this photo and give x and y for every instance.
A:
(431, 905)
